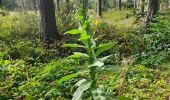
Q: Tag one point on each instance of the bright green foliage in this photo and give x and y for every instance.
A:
(19, 79)
(83, 85)
(140, 77)
(29, 72)
(157, 42)
(3, 13)
(19, 25)
(141, 82)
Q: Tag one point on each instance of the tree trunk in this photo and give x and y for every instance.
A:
(143, 8)
(120, 4)
(34, 5)
(48, 27)
(138, 3)
(1, 4)
(152, 10)
(58, 5)
(114, 3)
(161, 6)
(105, 4)
(135, 4)
(23, 5)
(99, 8)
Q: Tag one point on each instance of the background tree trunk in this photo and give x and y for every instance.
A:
(143, 8)
(35, 5)
(58, 5)
(152, 10)
(120, 4)
(48, 27)
(23, 4)
(135, 4)
(114, 3)
(99, 8)
(1, 4)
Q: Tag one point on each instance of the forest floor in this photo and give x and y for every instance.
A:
(28, 71)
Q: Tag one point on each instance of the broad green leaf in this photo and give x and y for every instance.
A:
(105, 58)
(98, 63)
(80, 82)
(66, 78)
(84, 36)
(109, 68)
(79, 55)
(85, 42)
(74, 32)
(99, 37)
(103, 47)
(80, 90)
(93, 44)
(124, 98)
(73, 45)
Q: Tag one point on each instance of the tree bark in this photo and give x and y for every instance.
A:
(99, 8)
(152, 10)
(48, 27)
(114, 3)
(120, 4)
(1, 4)
(135, 4)
(143, 8)
(23, 5)
(35, 5)
(105, 4)
(58, 5)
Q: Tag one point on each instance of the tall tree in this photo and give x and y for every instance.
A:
(34, 2)
(114, 3)
(143, 8)
(48, 27)
(23, 4)
(1, 4)
(135, 4)
(152, 10)
(120, 4)
(58, 4)
(105, 4)
(99, 8)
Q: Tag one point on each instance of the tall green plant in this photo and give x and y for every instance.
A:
(91, 54)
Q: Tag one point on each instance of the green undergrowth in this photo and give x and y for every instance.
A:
(28, 71)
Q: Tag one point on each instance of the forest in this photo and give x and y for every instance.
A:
(84, 49)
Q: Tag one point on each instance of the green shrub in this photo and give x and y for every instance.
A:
(157, 42)
(21, 80)
(19, 25)
(140, 82)
(146, 83)
(4, 13)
